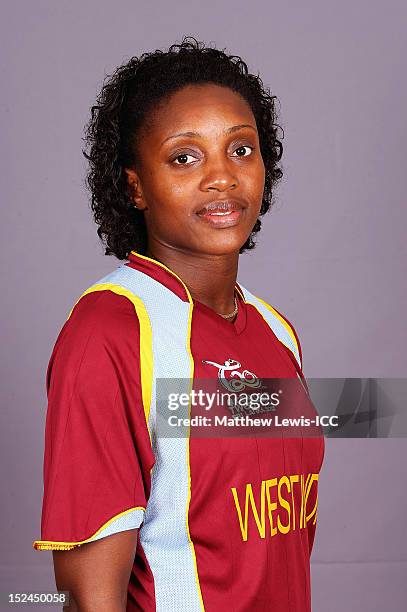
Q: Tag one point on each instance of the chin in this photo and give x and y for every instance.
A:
(222, 246)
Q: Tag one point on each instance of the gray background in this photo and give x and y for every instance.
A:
(331, 255)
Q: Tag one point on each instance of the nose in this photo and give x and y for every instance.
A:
(219, 176)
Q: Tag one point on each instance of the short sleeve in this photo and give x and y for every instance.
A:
(97, 456)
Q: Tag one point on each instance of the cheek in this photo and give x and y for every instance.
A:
(170, 210)
(253, 175)
(254, 187)
(260, 175)
(174, 191)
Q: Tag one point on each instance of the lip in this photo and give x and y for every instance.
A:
(221, 213)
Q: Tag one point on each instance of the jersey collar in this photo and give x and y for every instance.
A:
(164, 275)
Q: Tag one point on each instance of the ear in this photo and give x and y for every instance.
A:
(135, 190)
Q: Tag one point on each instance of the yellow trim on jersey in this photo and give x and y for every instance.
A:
(240, 292)
(286, 325)
(168, 270)
(146, 341)
(49, 545)
(191, 360)
(279, 339)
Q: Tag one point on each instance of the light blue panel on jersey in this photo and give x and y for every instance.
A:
(274, 322)
(163, 534)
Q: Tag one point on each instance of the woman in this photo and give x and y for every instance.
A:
(183, 161)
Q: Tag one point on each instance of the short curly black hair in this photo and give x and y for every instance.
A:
(123, 104)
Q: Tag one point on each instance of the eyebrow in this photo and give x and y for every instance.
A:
(230, 130)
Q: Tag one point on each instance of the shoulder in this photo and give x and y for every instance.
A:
(103, 310)
(282, 327)
(102, 314)
(101, 326)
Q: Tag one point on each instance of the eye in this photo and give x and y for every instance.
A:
(182, 157)
(242, 148)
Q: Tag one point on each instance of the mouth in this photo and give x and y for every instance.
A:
(221, 213)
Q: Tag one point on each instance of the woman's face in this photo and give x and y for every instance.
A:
(200, 148)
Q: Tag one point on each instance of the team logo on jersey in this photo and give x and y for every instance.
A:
(232, 378)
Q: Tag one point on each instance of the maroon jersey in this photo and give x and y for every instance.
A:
(226, 522)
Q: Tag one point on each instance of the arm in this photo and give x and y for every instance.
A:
(97, 573)
(98, 455)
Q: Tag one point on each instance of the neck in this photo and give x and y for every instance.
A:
(210, 279)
